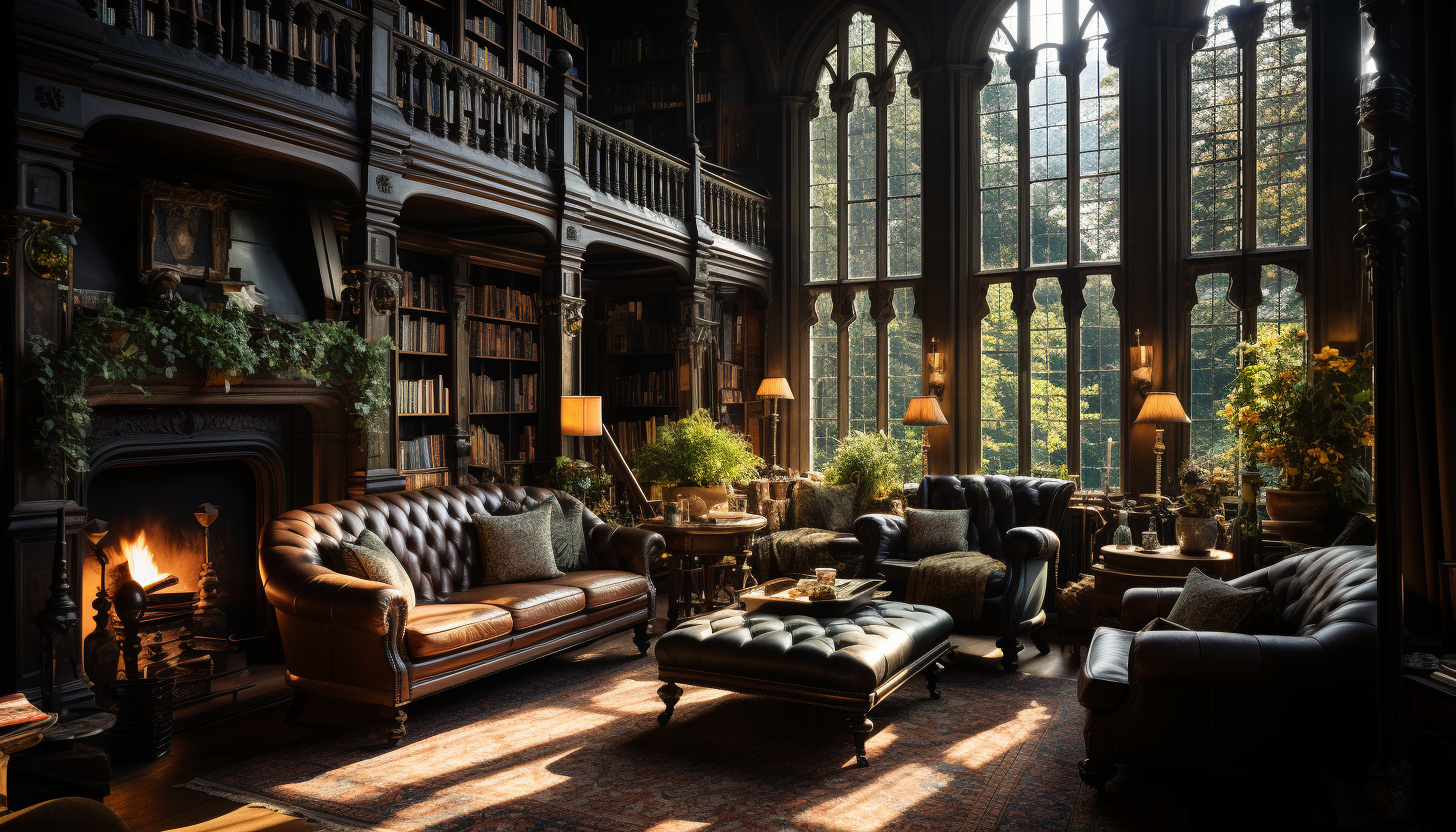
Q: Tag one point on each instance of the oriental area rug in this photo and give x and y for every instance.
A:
(572, 743)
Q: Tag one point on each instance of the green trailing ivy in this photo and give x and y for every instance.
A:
(130, 345)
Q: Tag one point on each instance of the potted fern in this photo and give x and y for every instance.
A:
(880, 463)
(694, 457)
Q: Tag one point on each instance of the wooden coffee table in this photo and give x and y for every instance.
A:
(1120, 569)
(715, 548)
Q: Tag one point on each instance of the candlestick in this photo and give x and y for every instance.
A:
(1109, 453)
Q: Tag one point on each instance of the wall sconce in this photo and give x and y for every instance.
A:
(936, 360)
(1142, 366)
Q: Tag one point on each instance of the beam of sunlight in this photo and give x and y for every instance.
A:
(676, 826)
(880, 803)
(979, 749)
(633, 696)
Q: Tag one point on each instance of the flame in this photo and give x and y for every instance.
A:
(140, 559)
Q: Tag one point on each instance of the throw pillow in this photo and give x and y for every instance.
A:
(1212, 606)
(836, 505)
(367, 557)
(1159, 624)
(935, 531)
(517, 547)
(568, 539)
(776, 512)
(804, 504)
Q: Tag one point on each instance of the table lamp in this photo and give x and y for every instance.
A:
(582, 416)
(924, 412)
(775, 389)
(1158, 410)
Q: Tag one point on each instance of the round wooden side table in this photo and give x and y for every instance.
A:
(1122, 568)
(713, 550)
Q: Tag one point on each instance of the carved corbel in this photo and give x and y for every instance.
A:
(385, 294)
(882, 305)
(1246, 23)
(379, 286)
(1021, 65)
(883, 92)
(569, 312)
(1072, 58)
(808, 313)
(841, 96)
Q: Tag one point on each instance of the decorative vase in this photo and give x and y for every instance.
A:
(1286, 504)
(710, 497)
(1196, 535)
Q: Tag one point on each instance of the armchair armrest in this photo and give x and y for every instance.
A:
(883, 536)
(316, 593)
(1225, 659)
(1142, 604)
(1025, 543)
(624, 548)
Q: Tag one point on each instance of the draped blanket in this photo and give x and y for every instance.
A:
(954, 581)
(799, 551)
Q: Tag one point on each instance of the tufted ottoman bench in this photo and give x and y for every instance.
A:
(851, 662)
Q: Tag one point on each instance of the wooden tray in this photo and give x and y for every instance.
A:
(760, 598)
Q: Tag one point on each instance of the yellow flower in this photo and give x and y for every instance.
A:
(1299, 334)
(1343, 364)
(1326, 354)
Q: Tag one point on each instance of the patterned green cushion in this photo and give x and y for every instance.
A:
(805, 513)
(568, 539)
(367, 557)
(517, 547)
(936, 531)
(1212, 606)
(836, 505)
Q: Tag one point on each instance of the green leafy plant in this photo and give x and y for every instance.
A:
(881, 462)
(1204, 482)
(132, 345)
(592, 485)
(1308, 420)
(696, 452)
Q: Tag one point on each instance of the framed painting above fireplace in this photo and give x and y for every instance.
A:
(184, 229)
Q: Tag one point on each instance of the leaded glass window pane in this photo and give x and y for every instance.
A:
(999, 154)
(1101, 381)
(824, 383)
(863, 373)
(1282, 307)
(1047, 114)
(1281, 126)
(1000, 413)
(903, 369)
(1100, 150)
(1216, 131)
(1213, 333)
(1048, 377)
(902, 177)
(824, 184)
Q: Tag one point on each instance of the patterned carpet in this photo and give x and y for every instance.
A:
(573, 744)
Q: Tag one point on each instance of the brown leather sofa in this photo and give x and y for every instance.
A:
(1012, 519)
(352, 638)
(1276, 703)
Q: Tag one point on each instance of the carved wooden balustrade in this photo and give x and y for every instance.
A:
(620, 165)
(734, 211)
(454, 100)
(315, 43)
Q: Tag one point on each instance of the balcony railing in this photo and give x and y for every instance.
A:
(621, 165)
(315, 44)
(467, 105)
(734, 211)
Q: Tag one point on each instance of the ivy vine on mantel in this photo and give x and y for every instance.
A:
(131, 345)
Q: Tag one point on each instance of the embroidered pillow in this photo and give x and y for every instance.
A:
(367, 557)
(804, 506)
(568, 539)
(936, 531)
(1212, 606)
(517, 547)
(836, 505)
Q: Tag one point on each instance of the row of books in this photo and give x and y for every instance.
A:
(414, 482)
(422, 452)
(481, 56)
(633, 436)
(532, 42)
(498, 5)
(492, 340)
(502, 302)
(726, 396)
(730, 376)
(644, 388)
(647, 46)
(487, 27)
(554, 18)
(421, 396)
(418, 334)
(413, 25)
(628, 332)
(529, 78)
(423, 291)
(655, 95)
(488, 395)
(489, 450)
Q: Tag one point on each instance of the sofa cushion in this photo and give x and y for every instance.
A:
(436, 629)
(367, 557)
(568, 539)
(1210, 605)
(604, 587)
(517, 547)
(933, 531)
(530, 605)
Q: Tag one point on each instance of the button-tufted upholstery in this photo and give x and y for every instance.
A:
(1012, 520)
(1220, 700)
(353, 638)
(854, 653)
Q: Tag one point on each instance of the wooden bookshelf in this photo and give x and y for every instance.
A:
(503, 336)
(510, 39)
(424, 371)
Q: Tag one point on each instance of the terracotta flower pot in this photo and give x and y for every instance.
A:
(1196, 535)
(1285, 504)
(709, 496)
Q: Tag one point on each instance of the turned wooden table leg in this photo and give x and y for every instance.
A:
(395, 733)
(670, 693)
(861, 726)
(932, 675)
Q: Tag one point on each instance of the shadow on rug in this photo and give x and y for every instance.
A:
(573, 744)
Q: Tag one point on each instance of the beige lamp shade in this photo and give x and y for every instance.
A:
(924, 411)
(775, 388)
(1162, 407)
(581, 415)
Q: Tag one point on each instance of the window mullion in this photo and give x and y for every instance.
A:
(1248, 35)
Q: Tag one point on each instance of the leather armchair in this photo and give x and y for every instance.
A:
(358, 639)
(1012, 520)
(1228, 700)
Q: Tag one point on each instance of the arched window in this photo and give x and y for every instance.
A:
(864, 228)
(1248, 243)
(1049, 191)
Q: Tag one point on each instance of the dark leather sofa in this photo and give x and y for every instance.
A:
(1012, 520)
(1276, 703)
(352, 638)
